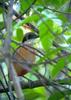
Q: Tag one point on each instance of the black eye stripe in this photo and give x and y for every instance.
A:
(30, 35)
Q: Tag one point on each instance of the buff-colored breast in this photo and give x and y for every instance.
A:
(25, 56)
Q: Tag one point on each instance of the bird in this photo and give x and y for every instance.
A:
(24, 54)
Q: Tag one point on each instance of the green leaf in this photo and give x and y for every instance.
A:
(46, 40)
(35, 94)
(32, 18)
(68, 58)
(57, 95)
(69, 40)
(52, 53)
(19, 34)
(1, 25)
(66, 81)
(57, 3)
(58, 67)
(1, 10)
(24, 5)
(57, 29)
(62, 18)
(45, 36)
(30, 94)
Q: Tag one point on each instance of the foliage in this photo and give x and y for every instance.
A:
(52, 19)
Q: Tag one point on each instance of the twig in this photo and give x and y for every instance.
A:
(5, 79)
(5, 89)
(20, 16)
(54, 10)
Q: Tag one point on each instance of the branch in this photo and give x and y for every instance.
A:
(54, 10)
(34, 84)
(11, 70)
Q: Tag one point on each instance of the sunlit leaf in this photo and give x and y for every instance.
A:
(19, 34)
(46, 36)
(58, 67)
